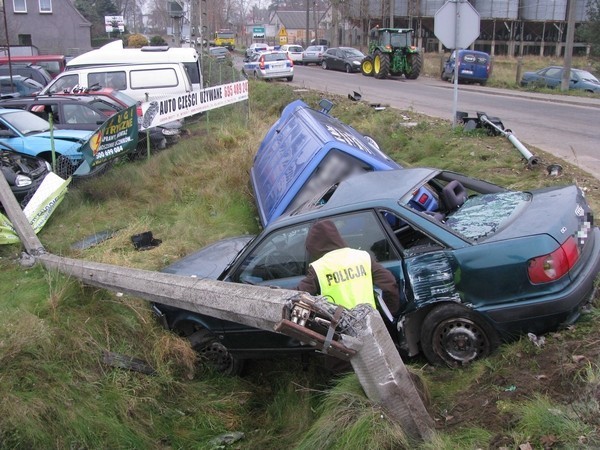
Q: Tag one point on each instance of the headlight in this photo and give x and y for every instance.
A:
(22, 180)
(357, 63)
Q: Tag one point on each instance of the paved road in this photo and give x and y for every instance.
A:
(565, 126)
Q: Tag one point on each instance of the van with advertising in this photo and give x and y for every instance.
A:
(113, 54)
(140, 81)
(304, 154)
(54, 64)
(473, 67)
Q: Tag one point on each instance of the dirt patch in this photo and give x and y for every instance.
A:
(520, 373)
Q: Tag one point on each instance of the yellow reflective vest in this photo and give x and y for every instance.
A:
(345, 277)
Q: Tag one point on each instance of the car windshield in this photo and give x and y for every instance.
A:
(353, 52)
(124, 98)
(585, 75)
(295, 49)
(26, 123)
(313, 49)
(218, 51)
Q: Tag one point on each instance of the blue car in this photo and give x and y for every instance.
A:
(307, 151)
(473, 67)
(30, 134)
(551, 77)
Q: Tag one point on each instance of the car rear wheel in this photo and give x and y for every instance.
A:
(214, 353)
(454, 335)
(324, 65)
(290, 78)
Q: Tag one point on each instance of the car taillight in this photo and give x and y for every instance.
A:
(290, 61)
(261, 63)
(551, 267)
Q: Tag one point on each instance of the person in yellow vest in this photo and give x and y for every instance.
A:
(344, 275)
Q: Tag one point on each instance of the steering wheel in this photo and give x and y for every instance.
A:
(280, 264)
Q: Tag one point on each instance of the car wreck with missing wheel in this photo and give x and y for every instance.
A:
(476, 264)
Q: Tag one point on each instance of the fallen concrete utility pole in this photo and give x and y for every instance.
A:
(373, 356)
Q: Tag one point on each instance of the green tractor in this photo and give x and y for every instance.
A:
(391, 53)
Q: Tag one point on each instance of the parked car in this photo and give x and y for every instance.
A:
(161, 136)
(80, 112)
(23, 173)
(294, 51)
(347, 59)
(473, 67)
(18, 86)
(551, 77)
(28, 70)
(269, 66)
(30, 134)
(256, 47)
(476, 264)
(221, 53)
(313, 55)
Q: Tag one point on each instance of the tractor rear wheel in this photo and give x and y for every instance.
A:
(415, 61)
(366, 66)
(381, 65)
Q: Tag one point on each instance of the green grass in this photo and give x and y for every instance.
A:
(58, 393)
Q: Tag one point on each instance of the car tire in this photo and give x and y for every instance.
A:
(348, 68)
(454, 335)
(324, 65)
(290, 78)
(214, 353)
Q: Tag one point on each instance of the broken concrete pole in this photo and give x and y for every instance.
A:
(376, 361)
(385, 378)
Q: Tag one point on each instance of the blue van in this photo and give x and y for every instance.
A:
(305, 153)
(473, 67)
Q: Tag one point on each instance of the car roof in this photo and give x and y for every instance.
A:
(365, 190)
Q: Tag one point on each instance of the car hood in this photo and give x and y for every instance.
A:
(210, 261)
(68, 135)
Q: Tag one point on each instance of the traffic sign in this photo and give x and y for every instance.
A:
(456, 24)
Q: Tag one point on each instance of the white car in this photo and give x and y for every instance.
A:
(257, 47)
(269, 66)
(294, 51)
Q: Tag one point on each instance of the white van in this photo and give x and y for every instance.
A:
(114, 54)
(140, 81)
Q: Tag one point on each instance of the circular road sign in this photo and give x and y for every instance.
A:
(456, 24)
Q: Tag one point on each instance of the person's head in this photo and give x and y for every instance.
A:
(322, 238)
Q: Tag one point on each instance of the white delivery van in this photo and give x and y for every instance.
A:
(113, 54)
(140, 81)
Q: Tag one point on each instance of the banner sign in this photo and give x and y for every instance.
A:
(169, 109)
(39, 209)
(116, 137)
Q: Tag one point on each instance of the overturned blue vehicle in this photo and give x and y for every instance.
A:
(475, 263)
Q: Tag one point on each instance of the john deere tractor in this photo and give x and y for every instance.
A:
(391, 53)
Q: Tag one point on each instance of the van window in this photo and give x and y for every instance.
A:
(65, 83)
(193, 71)
(115, 80)
(153, 78)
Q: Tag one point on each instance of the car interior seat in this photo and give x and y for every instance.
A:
(453, 195)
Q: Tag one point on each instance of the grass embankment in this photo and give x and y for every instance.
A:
(57, 392)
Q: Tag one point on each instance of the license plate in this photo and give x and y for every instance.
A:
(467, 72)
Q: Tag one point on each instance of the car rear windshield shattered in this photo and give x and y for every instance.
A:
(483, 215)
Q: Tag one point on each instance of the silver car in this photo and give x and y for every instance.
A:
(313, 55)
(269, 65)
